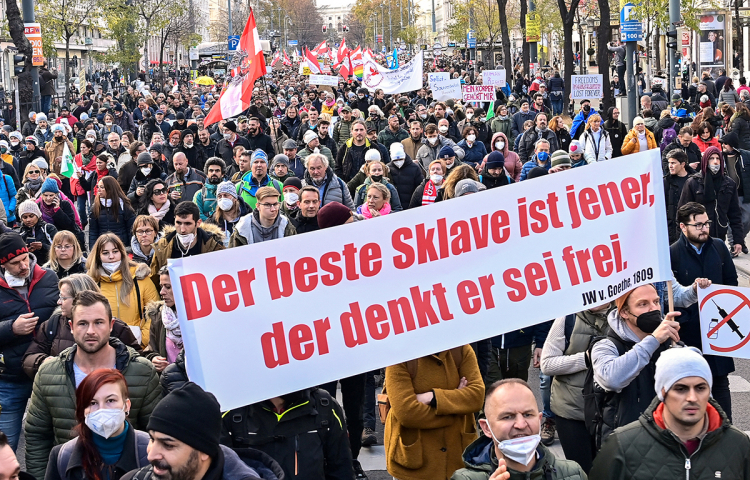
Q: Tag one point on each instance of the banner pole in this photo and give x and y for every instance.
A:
(670, 296)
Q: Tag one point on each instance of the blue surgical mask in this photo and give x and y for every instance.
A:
(542, 156)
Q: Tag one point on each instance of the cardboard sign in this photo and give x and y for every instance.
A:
(478, 93)
(329, 80)
(443, 90)
(494, 77)
(433, 77)
(307, 309)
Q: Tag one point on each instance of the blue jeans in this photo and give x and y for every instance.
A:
(557, 104)
(13, 398)
(46, 103)
(545, 383)
(82, 210)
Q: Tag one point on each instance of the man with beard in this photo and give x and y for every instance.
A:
(533, 135)
(51, 416)
(55, 149)
(414, 142)
(195, 155)
(186, 181)
(207, 143)
(696, 254)
(206, 197)
(185, 429)
(257, 139)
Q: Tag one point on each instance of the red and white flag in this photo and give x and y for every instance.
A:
(312, 62)
(276, 58)
(287, 62)
(321, 49)
(346, 69)
(236, 97)
(342, 52)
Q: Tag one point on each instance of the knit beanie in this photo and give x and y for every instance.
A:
(446, 152)
(576, 148)
(537, 172)
(30, 206)
(293, 182)
(397, 151)
(192, 416)
(144, 158)
(50, 186)
(40, 163)
(40, 117)
(227, 187)
(495, 160)
(309, 136)
(280, 159)
(333, 215)
(11, 245)
(372, 154)
(560, 158)
(677, 363)
(258, 153)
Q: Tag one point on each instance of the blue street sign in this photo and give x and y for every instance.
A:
(631, 29)
(233, 42)
(472, 43)
(292, 42)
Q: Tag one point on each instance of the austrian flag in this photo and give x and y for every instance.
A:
(252, 65)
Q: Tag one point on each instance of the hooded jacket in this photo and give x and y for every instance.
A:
(427, 153)
(480, 462)
(51, 415)
(513, 163)
(406, 179)
(42, 300)
(210, 236)
(140, 180)
(249, 230)
(645, 449)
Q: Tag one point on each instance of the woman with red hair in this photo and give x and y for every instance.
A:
(107, 446)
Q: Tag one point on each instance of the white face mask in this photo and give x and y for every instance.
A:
(291, 198)
(443, 129)
(361, 96)
(186, 240)
(146, 170)
(227, 136)
(225, 203)
(521, 450)
(105, 421)
(14, 144)
(499, 145)
(14, 281)
(43, 130)
(106, 202)
(398, 163)
(189, 145)
(423, 116)
(436, 178)
(471, 138)
(432, 140)
(111, 266)
(109, 124)
(469, 115)
(714, 168)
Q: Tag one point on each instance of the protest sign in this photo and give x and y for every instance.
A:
(494, 77)
(443, 90)
(478, 93)
(405, 78)
(329, 80)
(586, 86)
(725, 320)
(307, 309)
(433, 77)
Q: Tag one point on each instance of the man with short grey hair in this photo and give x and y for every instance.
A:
(320, 175)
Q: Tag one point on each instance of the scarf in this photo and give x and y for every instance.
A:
(365, 210)
(172, 325)
(711, 185)
(160, 213)
(33, 185)
(48, 211)
(430, 193)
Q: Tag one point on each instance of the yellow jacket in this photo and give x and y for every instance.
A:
(425, 442)
(131, 314)
(631, 144)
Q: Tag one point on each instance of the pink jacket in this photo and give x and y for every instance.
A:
(512, 161)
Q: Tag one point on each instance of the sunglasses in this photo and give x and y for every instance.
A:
(160, 191)
(32, 172)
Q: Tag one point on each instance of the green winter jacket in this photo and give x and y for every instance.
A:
(502, 125)
(51, 415)
(644, 450)
(481, 462)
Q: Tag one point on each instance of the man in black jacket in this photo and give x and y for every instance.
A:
(697, 255)
(28, 294)
(684, 142)
(306, 219)
(309, 440)
(738, 167)
(678, 171)
(225, 147)
(257, 139)
(404, 174)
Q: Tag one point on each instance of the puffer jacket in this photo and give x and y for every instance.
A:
(480, 463)
(54, 336)
(406, 179)
(174, 376)
(741, 126)
(133, 314)
(209, 235)
(106, 222)
(335, 189)
(428, 152)
(413, 430)
(42, 300)
(51, 415)
(631, 144)
(645, 449)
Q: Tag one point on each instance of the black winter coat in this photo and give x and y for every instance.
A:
(406, 179)
(42, 300)
(741, 126)
(106, 222)
(304, 224)
(673, 187)
(140, 180)
(224, 149)
(263, 142)
(714, 263)
(723, 212)
(174, 376)
(42, 232)
(617, 131)
(196, 156)
(530, 137)
(692, 151)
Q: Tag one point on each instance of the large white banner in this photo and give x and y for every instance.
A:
(405, 78)
(330, 80)
(725, 320)
(271, 318)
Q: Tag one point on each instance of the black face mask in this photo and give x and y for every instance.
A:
(649, 321)
(376, 178)
(587, 108)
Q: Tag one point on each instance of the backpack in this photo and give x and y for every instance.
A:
(595, 397)
(66, 450)
(667, 136)
(384, 404)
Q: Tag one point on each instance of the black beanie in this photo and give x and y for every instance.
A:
(190, 415)
(11, 246)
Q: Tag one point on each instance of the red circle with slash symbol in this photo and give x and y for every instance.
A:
(745, 302)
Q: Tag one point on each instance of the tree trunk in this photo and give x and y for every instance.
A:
(147, 60)
(740, 40)
(568, 17)
(525, 49)
(604, 37)
(657, 48)
(67, 69)
(505, 36)
(15, 27)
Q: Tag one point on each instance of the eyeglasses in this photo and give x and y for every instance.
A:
(160, 191)
(63, 297)
(700, 226)
(142, 233)
(63, 247)
(270, 206)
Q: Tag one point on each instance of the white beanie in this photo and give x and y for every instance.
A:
(372, 154)
(397, 151)
(29, 206)
(309, 136)
(677, 363)
(40, 117)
